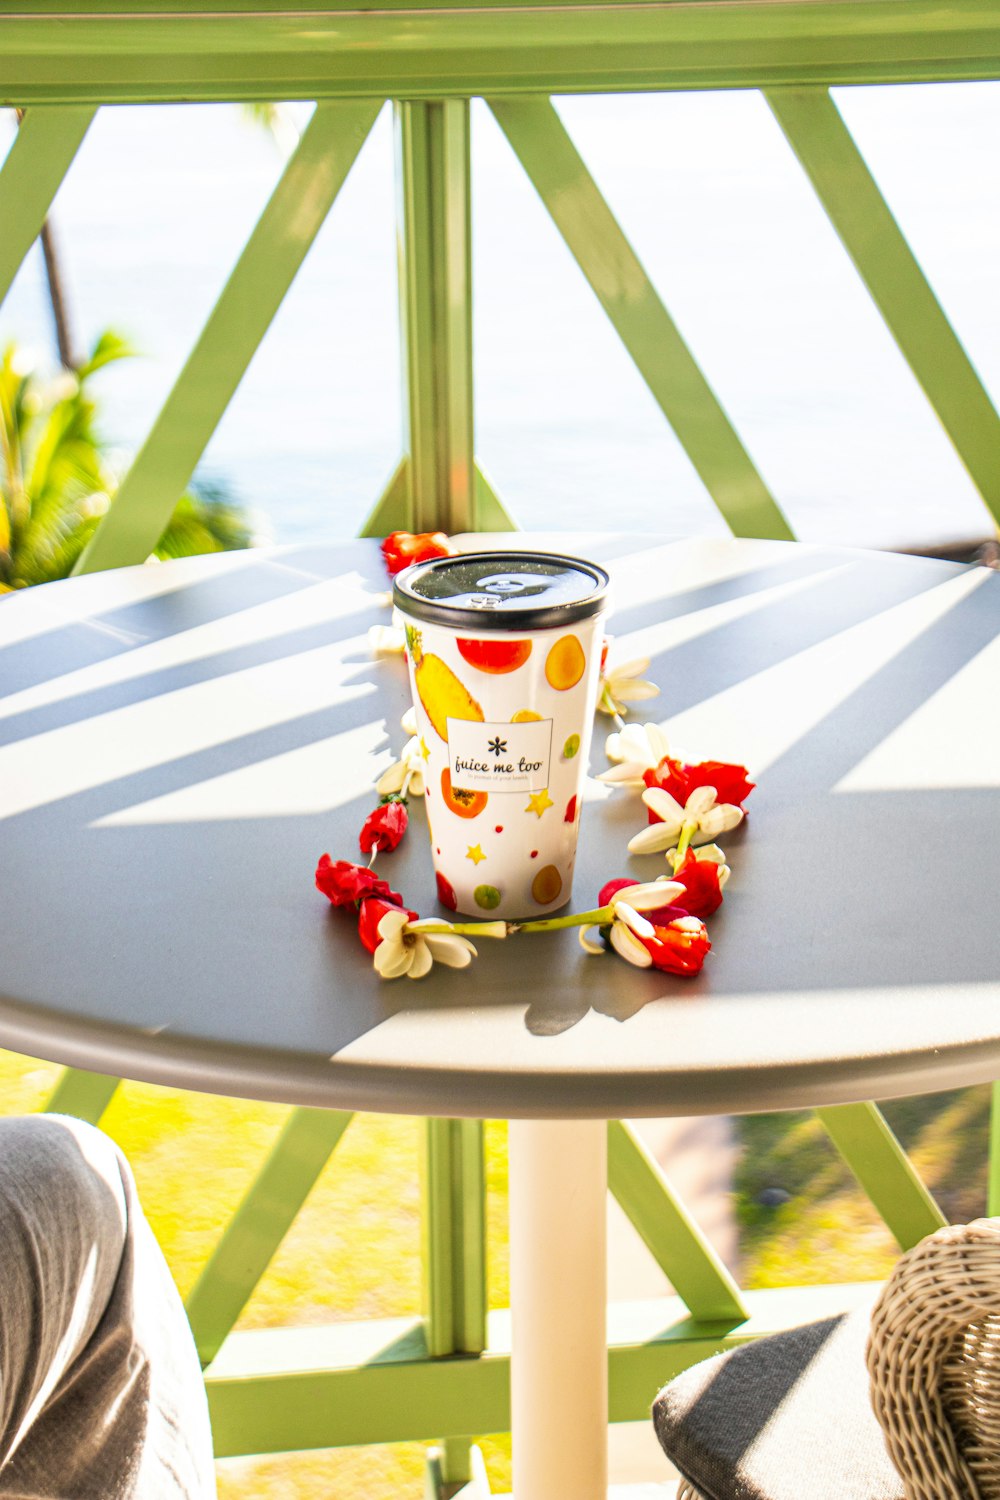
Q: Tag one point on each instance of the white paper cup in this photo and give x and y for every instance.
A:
(504, 655)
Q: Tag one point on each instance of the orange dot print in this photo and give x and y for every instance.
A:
(565, 663)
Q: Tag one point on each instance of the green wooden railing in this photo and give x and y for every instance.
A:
(445, 1375)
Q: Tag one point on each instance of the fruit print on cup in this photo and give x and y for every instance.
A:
(487, 896)
(565, 664)
(526, 716)
(546, 886)
(459, 800)
(496, 656)
(571, 747)
(443, 696)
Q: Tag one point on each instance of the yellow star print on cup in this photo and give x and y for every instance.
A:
(539, 801)
(475, 853)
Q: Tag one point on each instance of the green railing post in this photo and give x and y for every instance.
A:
(435, 300)
(443, 487)
(453, 1252)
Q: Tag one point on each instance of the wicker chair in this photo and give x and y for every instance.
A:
(792, 1417)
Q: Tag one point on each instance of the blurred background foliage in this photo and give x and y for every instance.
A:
(57, 478)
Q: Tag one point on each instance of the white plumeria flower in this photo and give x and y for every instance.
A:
(709, 854)
(636, 748)
(408, 723)
(628, 924)
(406, 775)
(386, 640)
(702, 814)
(408, 948)
(623, 685)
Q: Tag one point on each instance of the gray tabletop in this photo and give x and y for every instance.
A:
(178, 745)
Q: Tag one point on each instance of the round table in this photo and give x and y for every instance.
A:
(179, 743)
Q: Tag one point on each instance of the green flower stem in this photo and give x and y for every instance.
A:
(687, 834)
(467, 929)
(596, 918)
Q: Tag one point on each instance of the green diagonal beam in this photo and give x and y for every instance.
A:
(85, 1095)
(640, 319)
(393, 510)
(47, 140)
(260, 1224)
(840, 177)
(676, 1242)
(993, 1180)
(862, 1135)
(265, 270)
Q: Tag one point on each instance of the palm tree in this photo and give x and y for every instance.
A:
(56, 481)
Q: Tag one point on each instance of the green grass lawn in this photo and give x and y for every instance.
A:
(353, 1251)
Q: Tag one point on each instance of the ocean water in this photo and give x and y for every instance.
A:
(160, 200)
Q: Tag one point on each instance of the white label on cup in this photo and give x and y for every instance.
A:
(499, 757)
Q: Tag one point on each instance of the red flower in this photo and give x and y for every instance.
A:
(702, 886)
(679, 947)
(405, 547)
(345, 883)
(659, 917)
(680, 779)
(384, 827)
(373, 909)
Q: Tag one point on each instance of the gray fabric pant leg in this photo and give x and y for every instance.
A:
(101, 1396)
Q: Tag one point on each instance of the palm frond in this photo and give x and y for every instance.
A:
(56, 481)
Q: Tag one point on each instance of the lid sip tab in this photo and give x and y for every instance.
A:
(503, 591)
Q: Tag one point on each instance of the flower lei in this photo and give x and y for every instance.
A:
(651, 924)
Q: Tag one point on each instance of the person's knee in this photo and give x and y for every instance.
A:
(62, 1177)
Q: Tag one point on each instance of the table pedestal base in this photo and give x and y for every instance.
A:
(558, 1296)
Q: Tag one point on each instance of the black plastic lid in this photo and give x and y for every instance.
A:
(519, 590)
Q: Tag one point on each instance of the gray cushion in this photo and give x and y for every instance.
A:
(785, 1418)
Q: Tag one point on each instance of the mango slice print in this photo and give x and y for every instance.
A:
(494, 656)
(526, 716)
(565, 663)
(546, 885)
(459, 800)
(440, 691)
